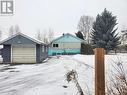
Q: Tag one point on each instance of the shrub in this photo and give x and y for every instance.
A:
(86, 49)
(122, 48)
(117, 81)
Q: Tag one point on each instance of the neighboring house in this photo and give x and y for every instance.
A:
(66, 44)
(21, 48)
(124, 37)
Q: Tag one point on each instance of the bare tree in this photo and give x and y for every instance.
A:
(85, 26)
(41, 36)
(0, 35)
(38, 35)
(50, 35)
(13, 30)
(124, 37)
(45, 36)
(17, 29)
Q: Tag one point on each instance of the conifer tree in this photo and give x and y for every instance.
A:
(104, 32)
(79, 35)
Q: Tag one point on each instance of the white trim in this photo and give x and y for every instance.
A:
(32, 39)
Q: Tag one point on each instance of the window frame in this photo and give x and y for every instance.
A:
(55, 45)
(43, 48)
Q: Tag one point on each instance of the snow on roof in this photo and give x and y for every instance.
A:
(19, 33)
(69, 35)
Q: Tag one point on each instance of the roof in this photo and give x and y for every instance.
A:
(19, 33)
(68, 40)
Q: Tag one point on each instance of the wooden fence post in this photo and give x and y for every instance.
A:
(99, 71)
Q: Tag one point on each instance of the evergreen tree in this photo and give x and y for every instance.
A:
(79, 35)
(104, 35)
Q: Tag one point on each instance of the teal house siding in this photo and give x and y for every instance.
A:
(66, 44)
(54, 51)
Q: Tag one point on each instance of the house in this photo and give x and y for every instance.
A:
(66, 44)
(21, 48)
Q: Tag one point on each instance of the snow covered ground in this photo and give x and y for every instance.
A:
(49, 77)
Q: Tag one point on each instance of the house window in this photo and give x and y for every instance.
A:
(43, 49)
(55, 45)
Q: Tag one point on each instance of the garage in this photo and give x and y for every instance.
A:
(21, 48)
(23, 54)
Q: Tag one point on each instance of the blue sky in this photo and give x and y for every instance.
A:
(60, 15)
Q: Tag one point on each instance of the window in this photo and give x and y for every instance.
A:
(43, 49)
(55, 45)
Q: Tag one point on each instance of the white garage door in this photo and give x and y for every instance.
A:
(24, 54)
